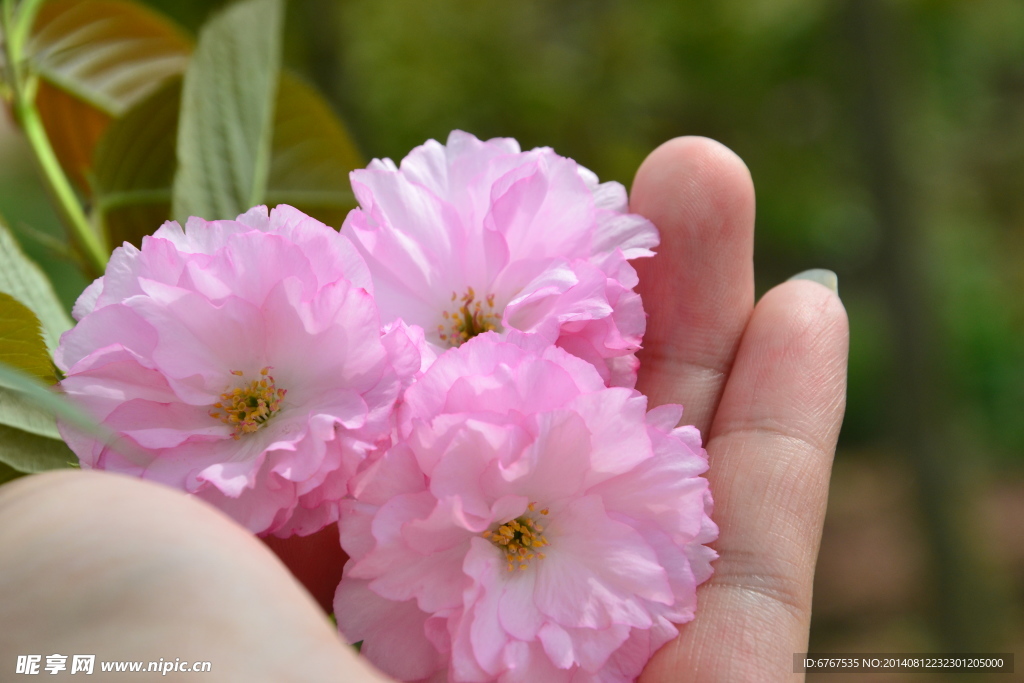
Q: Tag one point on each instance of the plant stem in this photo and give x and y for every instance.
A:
(67, 201)
(21, 28)
(16, 28)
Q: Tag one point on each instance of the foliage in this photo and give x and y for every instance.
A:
(606, 82)
(96, 60)
(225, 127)
(102, 89)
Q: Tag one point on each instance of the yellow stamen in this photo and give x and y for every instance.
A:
(248, 408)
(519, 539)
(469, 319)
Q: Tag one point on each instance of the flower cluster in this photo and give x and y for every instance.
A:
(449, 379)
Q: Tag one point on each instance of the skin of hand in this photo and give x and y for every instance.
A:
(765, 384)
(103, 564)
(95, 563)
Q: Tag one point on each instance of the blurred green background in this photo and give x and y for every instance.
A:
(886, 142)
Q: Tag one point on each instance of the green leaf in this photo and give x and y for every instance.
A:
(312, 155)
(24, 452)
(227, 113)
(96, 59)
(23, 280)
(18, 412)
(19, 390)
(135, 167)
(21, 343)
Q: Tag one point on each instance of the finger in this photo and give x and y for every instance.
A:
(770, 451)
(699, 288)
(95, 563)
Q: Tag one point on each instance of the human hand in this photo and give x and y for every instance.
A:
(765, 385)
(132, 571)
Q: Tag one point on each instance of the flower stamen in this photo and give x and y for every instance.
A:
(469, 319)
(247, 408)
(519, 539)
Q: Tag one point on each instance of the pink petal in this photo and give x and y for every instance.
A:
(594, 580)
(392, 633)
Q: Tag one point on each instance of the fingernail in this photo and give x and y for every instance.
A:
(821, 276)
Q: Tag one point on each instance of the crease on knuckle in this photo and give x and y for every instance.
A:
(775, 588)
(659, 362)
(797, 439)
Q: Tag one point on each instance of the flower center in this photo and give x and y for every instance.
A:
(471, 318)
(247, 408)
(520, 539)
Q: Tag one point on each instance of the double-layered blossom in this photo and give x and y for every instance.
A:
(531, 524)
(478, 236)
(241, 361)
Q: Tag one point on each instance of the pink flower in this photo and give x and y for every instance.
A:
(531, 525)
(241, 361)
(476, 236)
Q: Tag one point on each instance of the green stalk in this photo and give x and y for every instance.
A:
(21, 28)
(57, 182)
(16, 27)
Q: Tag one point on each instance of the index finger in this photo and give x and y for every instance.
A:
(698, 289)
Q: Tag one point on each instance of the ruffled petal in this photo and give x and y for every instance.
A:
(242, 362)
(531, 237)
